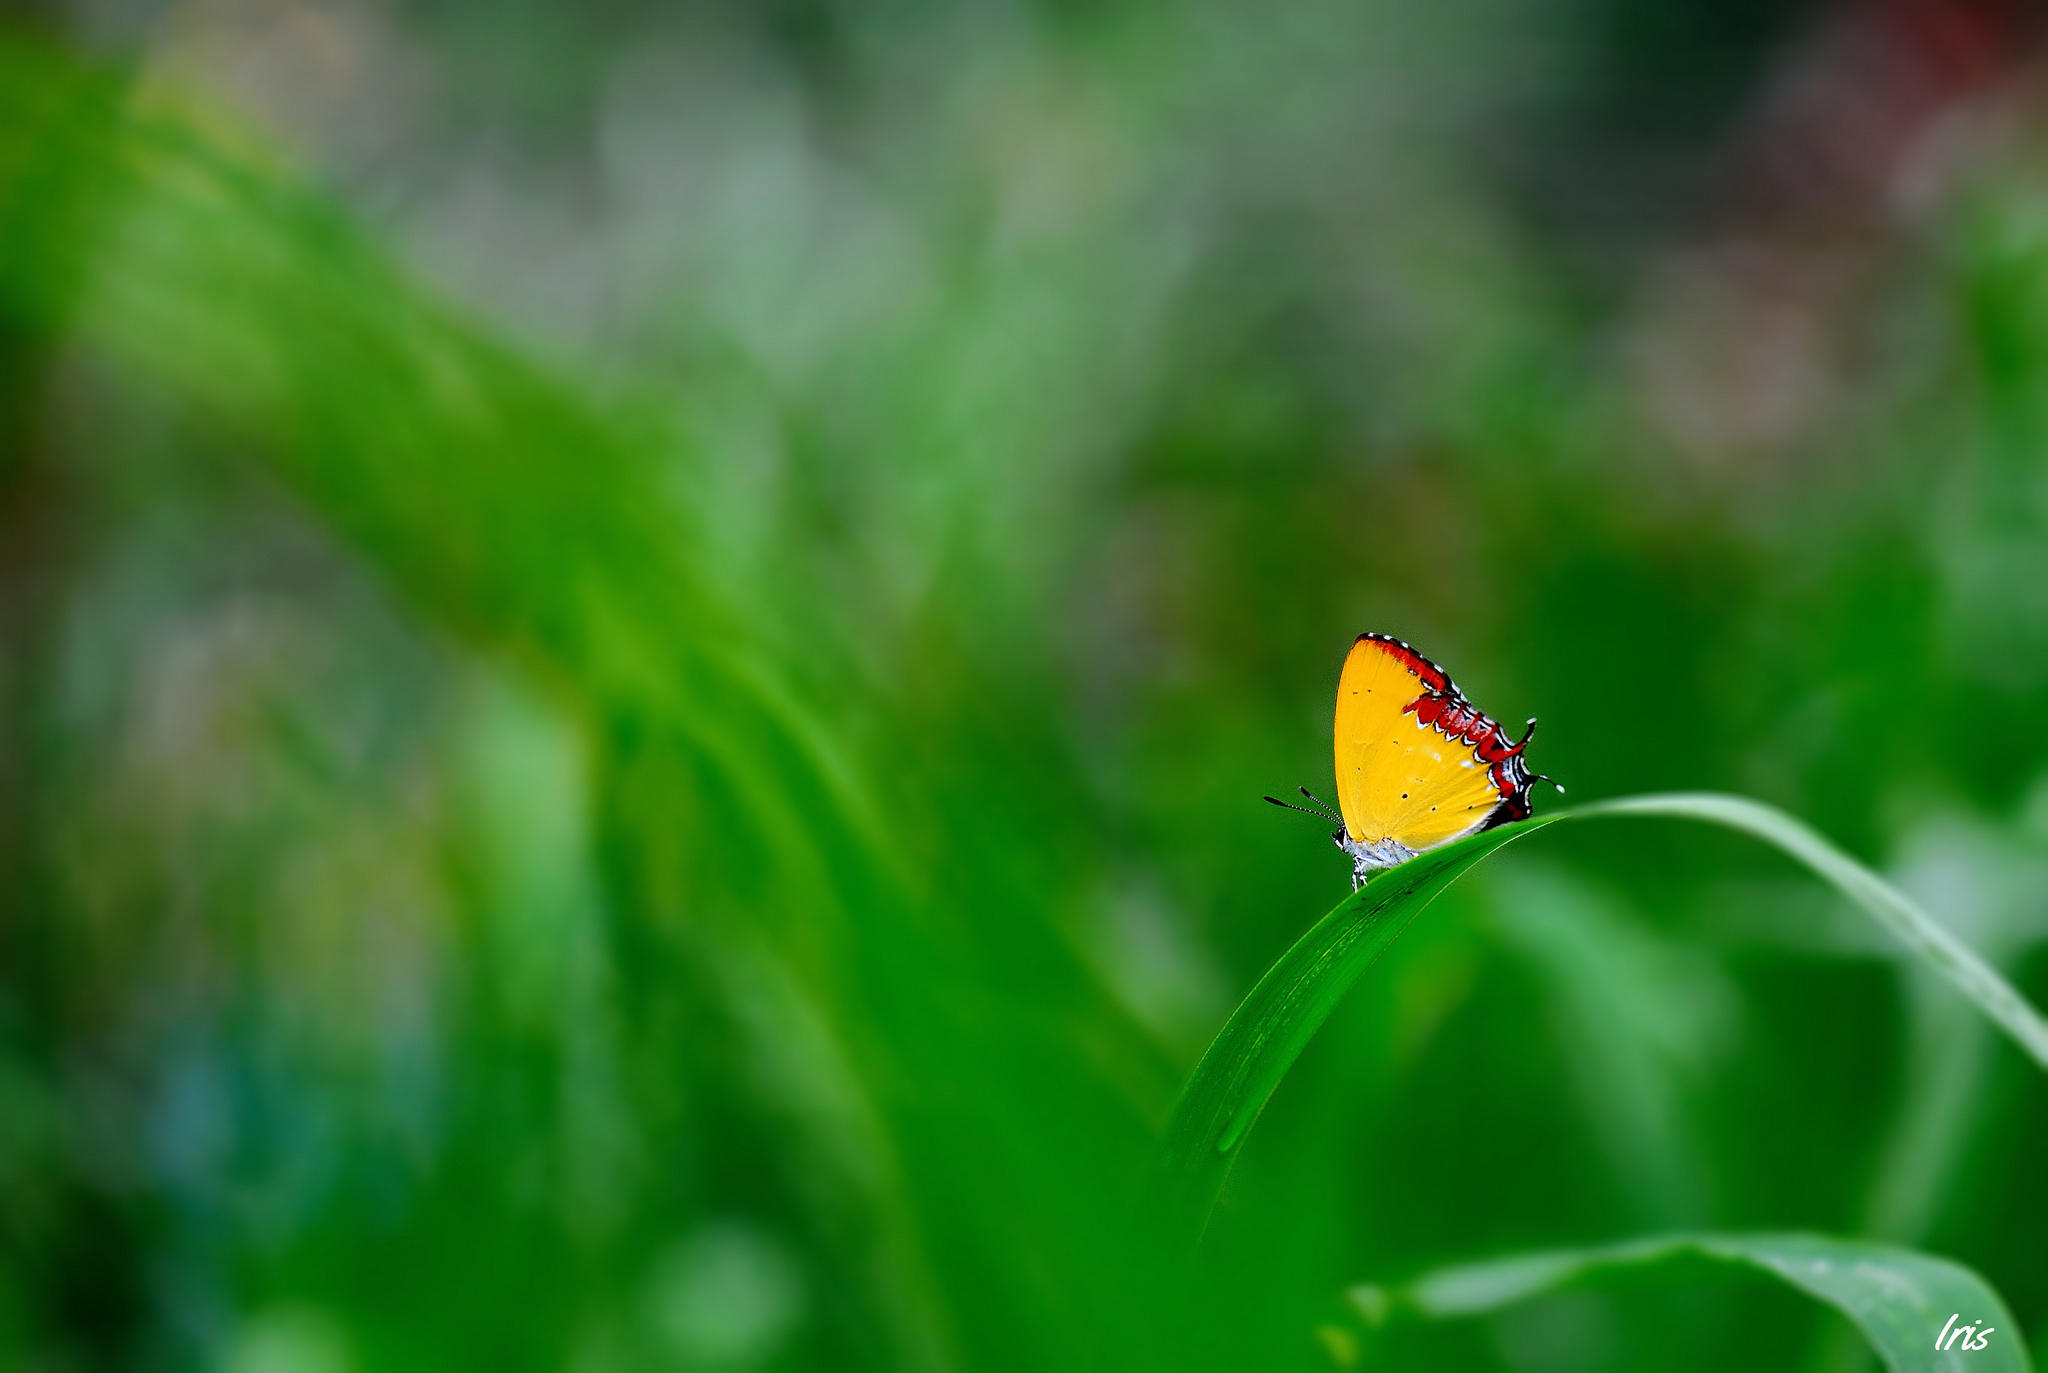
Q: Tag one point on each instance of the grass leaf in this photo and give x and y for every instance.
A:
(1884, 903)
(1271, 1026)
(1268, 1030)
(1901, 1300)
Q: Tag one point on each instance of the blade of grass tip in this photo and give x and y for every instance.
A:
(1886, 904)
(1905, 1303)
(1268, 1030)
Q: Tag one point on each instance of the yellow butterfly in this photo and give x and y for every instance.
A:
(1418, 765)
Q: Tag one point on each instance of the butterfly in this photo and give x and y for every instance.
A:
(1418, 765)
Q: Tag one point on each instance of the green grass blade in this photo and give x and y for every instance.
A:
(1269, 1029)
(1252, 1053)
(1899, 1299)
(1922, 936)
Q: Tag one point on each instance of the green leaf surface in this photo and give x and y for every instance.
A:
(1901, 1300)
(1919, 932)
(1252, 1053)
(1271, 1026)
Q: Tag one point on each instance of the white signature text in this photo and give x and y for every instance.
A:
(1963, 1332)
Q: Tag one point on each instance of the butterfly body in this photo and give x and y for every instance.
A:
(1418, 764)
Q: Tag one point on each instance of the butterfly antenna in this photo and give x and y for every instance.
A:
(1325, 809)
(1527, 735)
(1321, 814)
(1289, 805)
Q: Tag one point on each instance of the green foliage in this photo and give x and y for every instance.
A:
(1922, 936)
(638, 651)
(1893, 1296)
(1271, 1026)
(1269, 1029)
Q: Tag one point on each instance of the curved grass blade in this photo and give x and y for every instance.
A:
(1884, 903)
(1254, 1050)
(1904, 1302)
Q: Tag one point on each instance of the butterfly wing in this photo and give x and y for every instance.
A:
(1415, 762)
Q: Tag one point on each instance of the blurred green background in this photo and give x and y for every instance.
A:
(640, 642)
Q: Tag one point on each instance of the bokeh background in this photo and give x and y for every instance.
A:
(639, 645)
